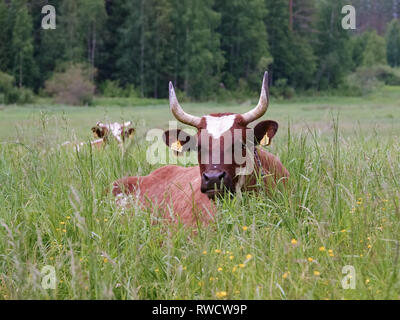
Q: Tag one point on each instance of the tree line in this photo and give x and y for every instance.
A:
(203, 46)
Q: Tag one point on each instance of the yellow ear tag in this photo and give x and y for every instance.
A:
(176, 146)
(265, 141)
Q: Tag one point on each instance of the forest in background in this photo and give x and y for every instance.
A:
(207, 48)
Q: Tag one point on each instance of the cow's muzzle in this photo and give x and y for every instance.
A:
(215, 182)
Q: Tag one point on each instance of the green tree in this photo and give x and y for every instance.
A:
(48, 44)
(294, 59)
(112, 39)
(142, 55)
(92, 17)
(5, 35)
(393, 43)
(170, 40)
(69, 24)
(243, 41)
(333, 47)
(375, 49)
(197, 47)
(22, 43)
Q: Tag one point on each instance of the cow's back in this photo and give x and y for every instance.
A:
(173, 189)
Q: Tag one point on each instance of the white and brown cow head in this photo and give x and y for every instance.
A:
(117, 130)
(220, 138)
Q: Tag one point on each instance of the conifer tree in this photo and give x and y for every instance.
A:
(294, 59)
(244, 41)
(333, 47)
(22, 43)
(393, 43)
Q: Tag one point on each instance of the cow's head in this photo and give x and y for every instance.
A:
(219, 137)
(117, 130)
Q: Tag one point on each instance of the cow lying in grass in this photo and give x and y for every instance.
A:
(187, 193)
(103, 132)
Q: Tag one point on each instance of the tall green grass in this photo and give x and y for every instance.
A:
(340, 207)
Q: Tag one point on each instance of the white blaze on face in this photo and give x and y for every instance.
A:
(217, 126)
(116, 130)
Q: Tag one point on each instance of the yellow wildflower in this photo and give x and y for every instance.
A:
(310, 259)
(219, 269)
(221, 294)
(249, 256)
(322, 248)
(242, 265)
(244, 228)
(317, 273)
(294, 241)
(217, 251)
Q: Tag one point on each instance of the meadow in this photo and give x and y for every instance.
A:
(341, 207)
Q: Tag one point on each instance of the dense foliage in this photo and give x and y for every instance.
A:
(206, 47)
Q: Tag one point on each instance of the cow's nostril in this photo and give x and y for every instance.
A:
(221, 175)
(206, 177)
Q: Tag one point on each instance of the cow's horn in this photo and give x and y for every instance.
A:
(178, 112)
(101, 125)
(262, 106)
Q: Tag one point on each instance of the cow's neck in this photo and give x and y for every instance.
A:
(258, 164)
(248, 182)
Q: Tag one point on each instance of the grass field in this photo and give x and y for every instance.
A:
(341, 208)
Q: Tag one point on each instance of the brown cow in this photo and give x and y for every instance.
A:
(187, 193)
(121, 133)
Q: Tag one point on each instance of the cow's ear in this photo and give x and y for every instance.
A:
(264, 132)
(179, 141)
(98, 132)
(130, 132)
